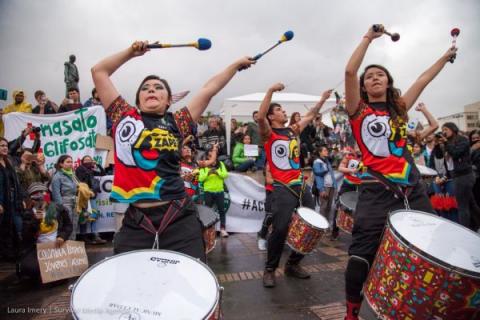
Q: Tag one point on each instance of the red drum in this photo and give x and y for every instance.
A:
(209, 218)
(306, 229)
(347, 203)
(426, 267)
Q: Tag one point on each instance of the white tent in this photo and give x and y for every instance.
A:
(242, 107)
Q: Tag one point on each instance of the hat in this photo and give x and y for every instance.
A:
(36, 187)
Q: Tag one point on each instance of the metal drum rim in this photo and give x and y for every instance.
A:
(210, 312)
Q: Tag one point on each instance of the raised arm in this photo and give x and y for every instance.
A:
(263, 125)
(432, 122)
(313, 112)
(201, 100)
(102, 71)
(352, 90)
(412, 94)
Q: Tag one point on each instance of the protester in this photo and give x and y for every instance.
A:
(44, 221)
(322, 169)
(254, 133)
(378, 116)
(158, 175)
(243, 163)
(19, 105)
(189, 171)
(11, 206)
(282, 151)
(71, 103)
(475, 155)
(31, 169)
(212, 178)
(64, 189)
(458, 147)
(45, 106)
(214, 134)
(86, 173)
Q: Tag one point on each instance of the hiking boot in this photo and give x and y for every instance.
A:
(296, 271)
(268, 279)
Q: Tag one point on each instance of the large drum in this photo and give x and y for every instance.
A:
(427, 174)
(147, 284)
(306, 229)
(209, 218)
(426, 268)
(347, 203)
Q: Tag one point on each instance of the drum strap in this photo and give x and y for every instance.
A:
(299, 196)
(146, 223)
(401, 192)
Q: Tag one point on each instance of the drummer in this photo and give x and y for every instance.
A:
(283, 157)
(148, 140)
(378, 116)
(349, 166)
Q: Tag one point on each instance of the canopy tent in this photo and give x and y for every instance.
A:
(242, 107)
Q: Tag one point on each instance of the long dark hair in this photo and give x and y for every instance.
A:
(292, 118)
(7, 161)
(61, 160)
(152, 77)
(395, 104)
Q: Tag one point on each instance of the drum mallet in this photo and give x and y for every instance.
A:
(287, 36)
(378, 28)
(454, 33)
(200, 44)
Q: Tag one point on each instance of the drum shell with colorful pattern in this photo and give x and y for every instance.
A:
(346, 207)
(306, 229)
(406, 282)
(209, 218)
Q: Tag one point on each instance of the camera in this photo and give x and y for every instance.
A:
(36, 129)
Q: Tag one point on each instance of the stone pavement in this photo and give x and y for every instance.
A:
(238, 265)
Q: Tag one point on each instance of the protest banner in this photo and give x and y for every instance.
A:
(56, 263)
(247, 206)
(73, 133)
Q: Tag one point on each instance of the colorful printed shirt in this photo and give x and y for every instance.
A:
(283, 155)
(147, 153)
(383, 146)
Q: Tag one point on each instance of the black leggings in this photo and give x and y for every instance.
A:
(374, 204)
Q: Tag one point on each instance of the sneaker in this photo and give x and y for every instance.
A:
(262, 244)
(223, 233)
(269, 279)
(296, 271)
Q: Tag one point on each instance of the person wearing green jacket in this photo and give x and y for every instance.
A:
(212, 178)
(240, 161)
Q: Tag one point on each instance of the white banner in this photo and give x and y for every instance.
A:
(106, 215)
(247, 207)
(73, 133)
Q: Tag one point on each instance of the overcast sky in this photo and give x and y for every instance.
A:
(36, 38)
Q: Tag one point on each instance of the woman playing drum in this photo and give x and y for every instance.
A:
(378, 116)
(148, 140)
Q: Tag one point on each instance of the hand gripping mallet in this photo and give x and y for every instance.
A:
(394, 36)
(200, 44)
(287, 36)
(454, 33)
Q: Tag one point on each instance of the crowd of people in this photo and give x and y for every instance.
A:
(162, 182)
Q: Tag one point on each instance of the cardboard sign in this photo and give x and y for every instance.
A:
(69, 260)
(250, 150)
(106, 143)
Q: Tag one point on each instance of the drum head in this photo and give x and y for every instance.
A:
(349, 200)
(446, 242)
(313, 218)
(146, 284)
(426, 171)
(207, 215)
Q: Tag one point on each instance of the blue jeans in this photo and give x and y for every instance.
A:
(260, 162)
(245, 165)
